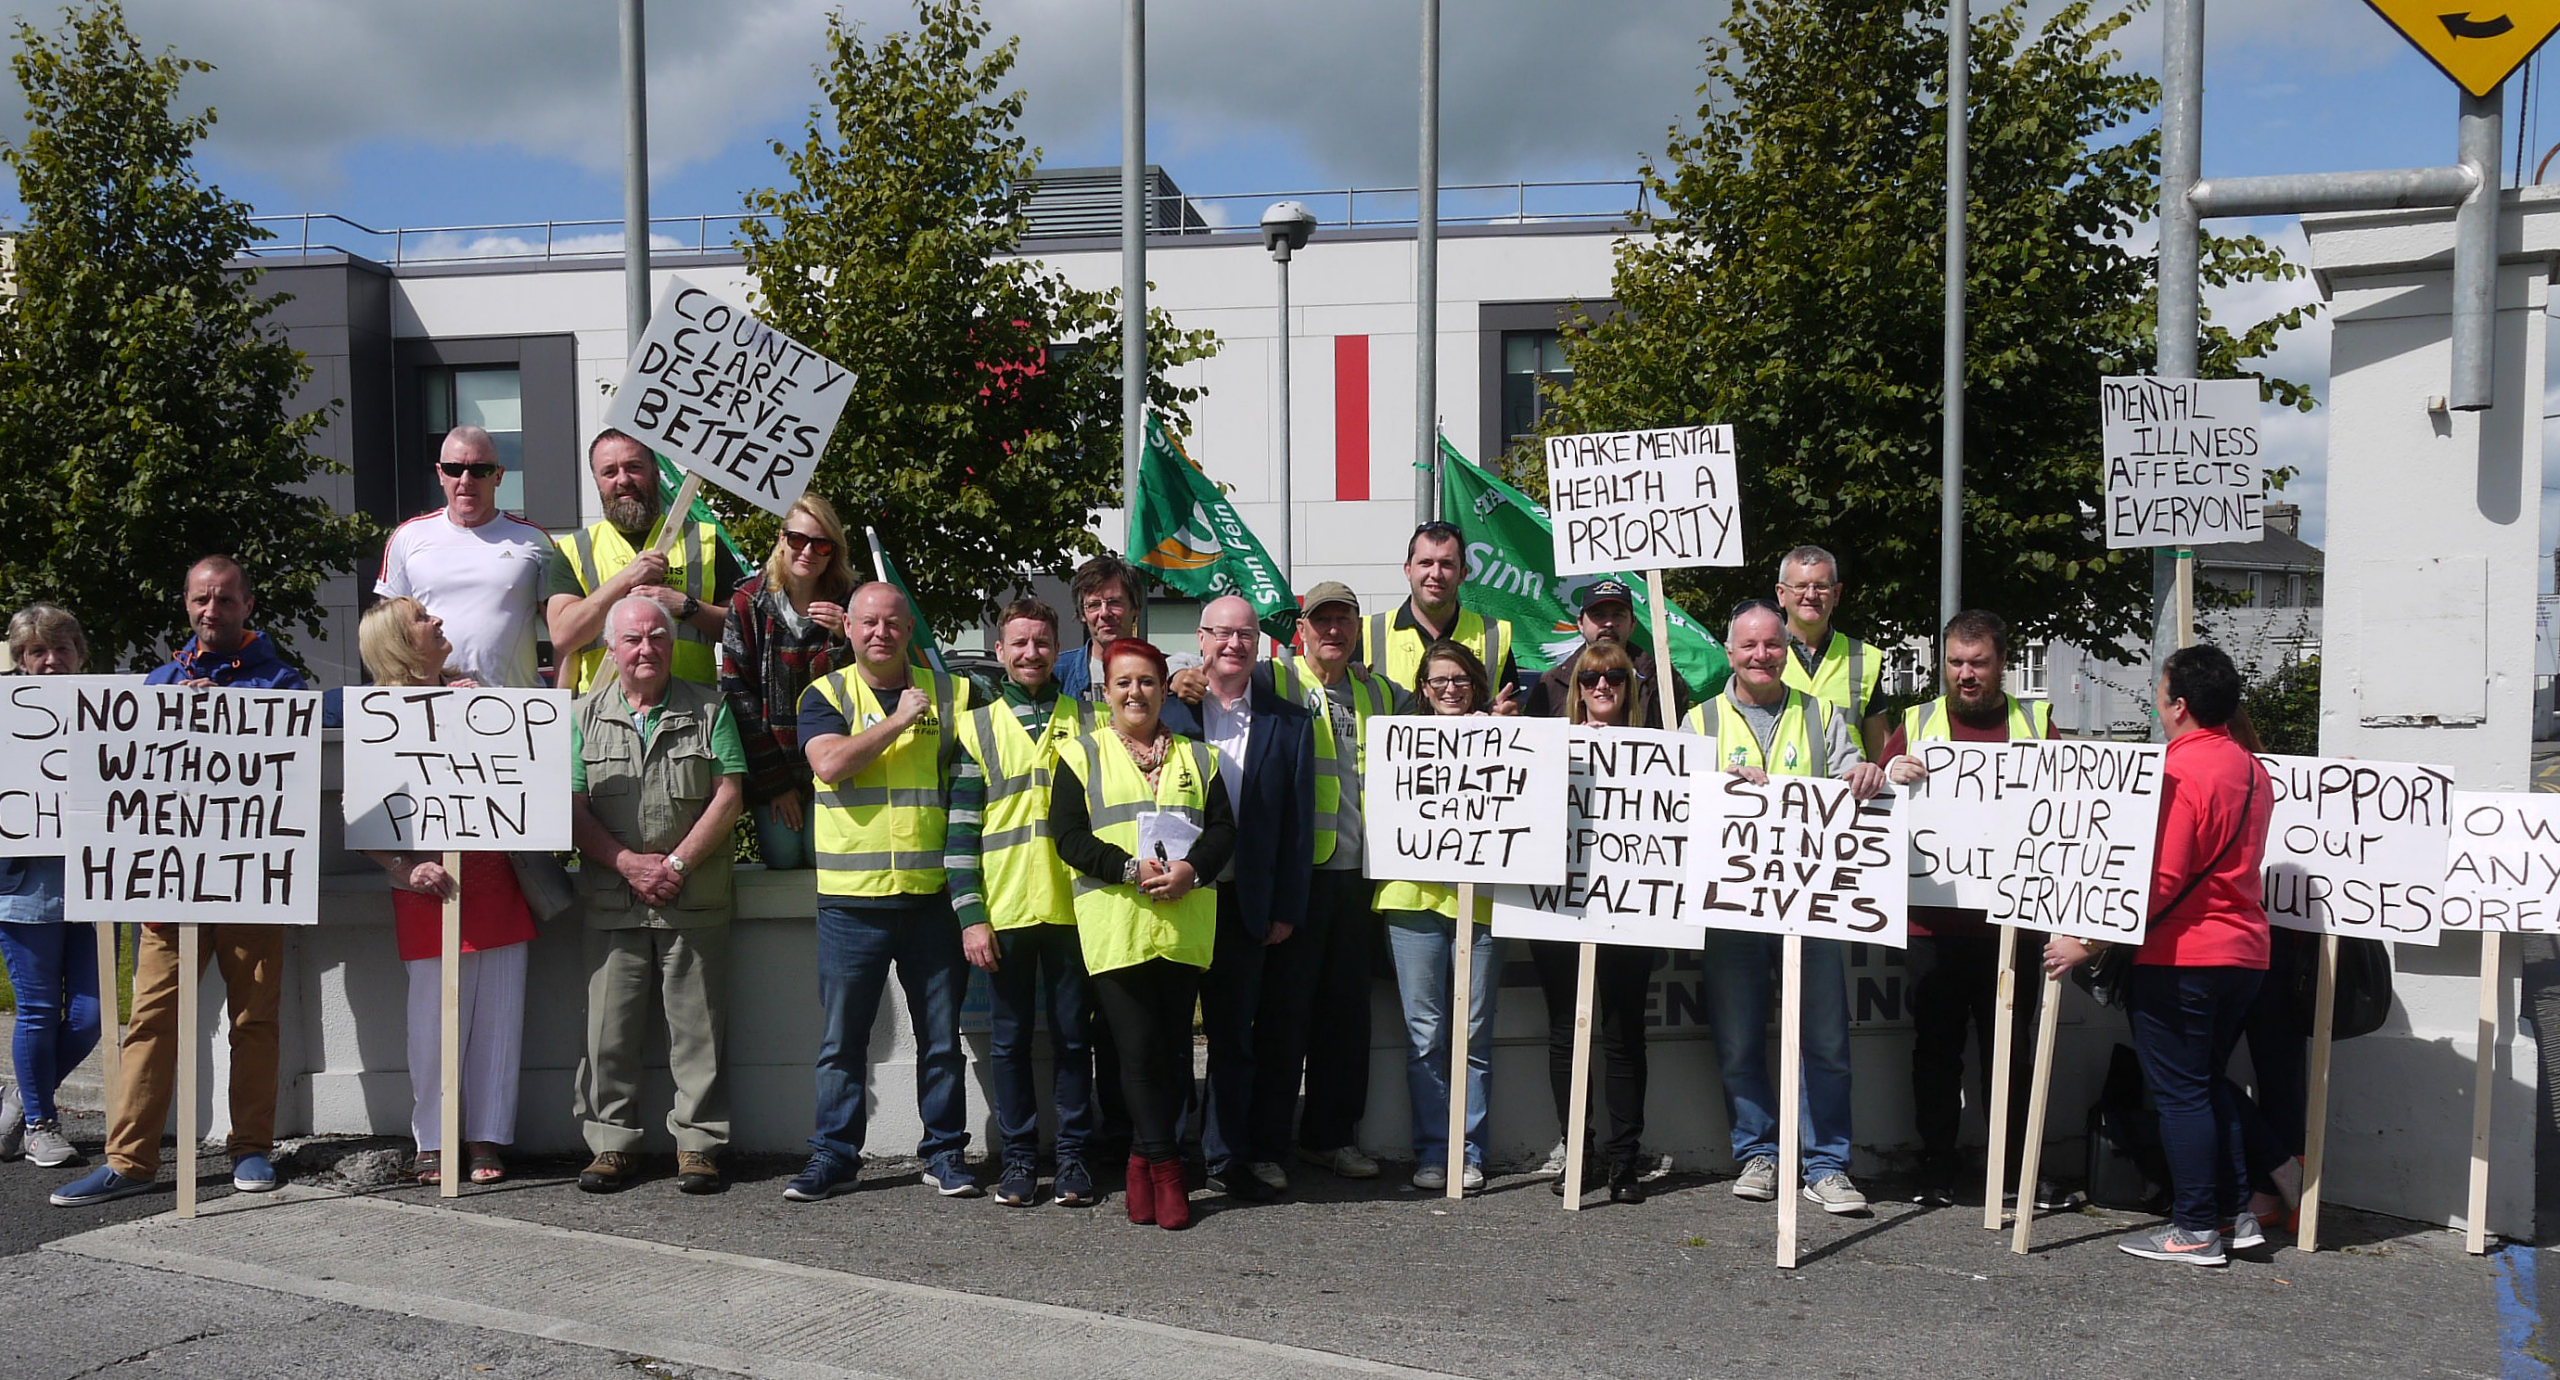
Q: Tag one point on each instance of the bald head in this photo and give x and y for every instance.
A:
(1227, 632)
(881, 625)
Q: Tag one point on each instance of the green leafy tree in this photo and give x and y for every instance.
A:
(2284, 706)
(146, 405)
(984, 429)
(1792, 286)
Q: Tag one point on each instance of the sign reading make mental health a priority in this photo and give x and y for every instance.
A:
(2357, 847)
(1478, 799)
(1626, 846)
(1644, 500)
(2181, 461)
(1797, 855)
(432, 768)
(730, 398)
(165, 802)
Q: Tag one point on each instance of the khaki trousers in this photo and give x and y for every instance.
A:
(252, 961)
(688, 971)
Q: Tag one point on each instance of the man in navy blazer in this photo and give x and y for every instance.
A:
(1266, 754)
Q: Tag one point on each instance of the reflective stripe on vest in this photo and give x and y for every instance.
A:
(601, 550)
(1025, 882)
(881, 833)
(1800, 747)
(1297, 680)
(1117, 925)
(1922, 723)
(1396, 653)
(1845, 677)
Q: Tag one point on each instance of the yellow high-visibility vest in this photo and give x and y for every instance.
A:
(1118, 925)
(1928, 721)
(1800, 747)
(1845, 678)
(880, 834)
(1370, 696)
(1396, 653)
(597, 552)
(1025, 881)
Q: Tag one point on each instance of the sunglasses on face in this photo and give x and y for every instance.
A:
(802, 541)
(479, 470)
(1615, 675)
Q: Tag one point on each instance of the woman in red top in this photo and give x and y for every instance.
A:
(403, 645)
(2202, 959)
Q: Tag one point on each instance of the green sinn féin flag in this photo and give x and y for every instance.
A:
(1185, 531)
(1510, 548)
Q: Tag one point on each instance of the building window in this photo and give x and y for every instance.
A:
(2027, 677)
(487, 396)
(1529, 358)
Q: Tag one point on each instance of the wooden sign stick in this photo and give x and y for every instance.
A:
(2475, 1236)
(110, 1011)
(2315, 1142)
(2004, 1043)
(1577, 1099)
(1790, 1093)
(449, 1163)
(671, 524)
(190, 963)
(2031, 1154)
(1664, 678)
(1462, 969)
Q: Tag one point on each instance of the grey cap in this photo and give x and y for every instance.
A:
(1330, 592)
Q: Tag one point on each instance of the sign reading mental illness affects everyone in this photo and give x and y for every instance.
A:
(2357, 847)
(2502, 864)
(730, 398)
(1642, 500)
(1964, 820)
(2083, 865)
(2181, 460)
(165, 802)
(1478, 799)
(431, 768)
(1626, 846)
(1797, 855)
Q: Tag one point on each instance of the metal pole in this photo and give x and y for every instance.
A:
(1288, 575)
(635, 183)
(1426, 282)
(2181, 286)
(2475, 258)
(1133, 253)
(1951, 436)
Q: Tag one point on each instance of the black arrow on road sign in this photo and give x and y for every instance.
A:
(2464, 26)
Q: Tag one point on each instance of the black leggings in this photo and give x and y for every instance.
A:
(1620, 975)
(1149, 1007)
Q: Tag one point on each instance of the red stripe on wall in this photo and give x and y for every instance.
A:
(1351, 417)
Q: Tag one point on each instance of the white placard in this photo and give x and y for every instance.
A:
(1964, 820)
(1644, 500)
(1626, 846)
(2181, 460)
(2502, 864)
(1465, 799)
(1798, 855)
(432, 768)
(167, 803)
(2093, 819)
(730, 398)
(2356, 847)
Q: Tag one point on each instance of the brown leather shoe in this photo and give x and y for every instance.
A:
(608, 1172)
(697, 1172)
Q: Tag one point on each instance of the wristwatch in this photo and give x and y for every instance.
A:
(691, 607)
(1129, 872)
(675, 863)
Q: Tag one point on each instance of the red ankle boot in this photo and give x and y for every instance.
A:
(1140, 1194)
(1173, 1197)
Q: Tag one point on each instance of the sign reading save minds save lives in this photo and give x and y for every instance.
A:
(1797, 855)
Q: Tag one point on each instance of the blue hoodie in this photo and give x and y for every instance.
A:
(254, 666)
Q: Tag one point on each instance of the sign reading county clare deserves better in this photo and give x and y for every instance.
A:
(730, 398)
(2478, 43)
(1643, 500)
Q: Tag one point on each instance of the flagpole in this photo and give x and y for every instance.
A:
(879, 563)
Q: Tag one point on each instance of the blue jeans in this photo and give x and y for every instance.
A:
(1742, 992)
(55, 969)
(784, 849)
(2186, 1023)
(1425, 948)
(856, 946)
(1037, 964)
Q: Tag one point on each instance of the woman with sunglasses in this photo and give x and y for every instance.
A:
(785, 631)
(1422, 936)
(1605, 692)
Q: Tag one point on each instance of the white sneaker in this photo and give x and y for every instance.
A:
(13, 1123)
(1555, 1160)
(1758, 1181)
(1269, 1175)
(1431, 1178)
(1836, 1194)
(1345, 1161)
(1470, 1181)
(2246, 1232)
(46, 1146)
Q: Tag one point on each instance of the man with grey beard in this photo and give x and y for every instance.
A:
(593, 568)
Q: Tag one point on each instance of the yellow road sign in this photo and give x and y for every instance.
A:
(2478, 43)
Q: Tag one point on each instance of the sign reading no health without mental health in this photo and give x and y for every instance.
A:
(2502, 864)
(1474, 799)
(1643, 500)
(1797, 855)
(432, 768)
(2182, 461)
(2083, 866)
(730, 398)
(1626, 846)
(2356, 847)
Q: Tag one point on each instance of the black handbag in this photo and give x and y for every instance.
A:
(2104, 976)
(2126, 1166)
(2362, 1000)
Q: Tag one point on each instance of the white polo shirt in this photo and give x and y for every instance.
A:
(485, 582)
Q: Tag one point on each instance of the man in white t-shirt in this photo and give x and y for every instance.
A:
(478, 569)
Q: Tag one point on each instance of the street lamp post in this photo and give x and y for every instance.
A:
(1285, 227)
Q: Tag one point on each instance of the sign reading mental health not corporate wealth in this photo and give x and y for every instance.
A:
(715, 389)
(1644, 500)
(1478, 799)
(1626, 847)
(2356, 847)
(432, 768)
(2181, 461)
(1797, 855)
(166, 802)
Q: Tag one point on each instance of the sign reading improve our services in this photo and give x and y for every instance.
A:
(2502, 864)
(2357, 847)
(1474, 799)
(730, 398)
(1798, 855)
(1640, 500)
(2181, 461)
(2084, 866)
(432, 768)
(1626, 846)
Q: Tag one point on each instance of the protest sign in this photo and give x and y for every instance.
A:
(2502, 864)
(1479, 799)
(1632, 500)
(2182, 461)
(1797, 855)
(715, 389)
(1963, 820)
(2356, 847)
(432, 768)
(2084, 867)
(1626, 846)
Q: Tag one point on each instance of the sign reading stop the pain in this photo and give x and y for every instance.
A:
(730, 398)
(437, 768)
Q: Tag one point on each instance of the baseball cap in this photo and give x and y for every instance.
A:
(1602, 591)
(1330, 592)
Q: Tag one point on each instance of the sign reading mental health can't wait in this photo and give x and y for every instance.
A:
(1644, 500)
(2502, 864)
(2356, 847)
(1474, 799)
(437, 768)
(2181, 461)
(715, 389)
(1626, 846)
(1797, 855)
(2083, 866)
(167, 803)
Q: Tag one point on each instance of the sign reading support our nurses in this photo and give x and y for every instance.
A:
(2357, 847)
(1626, 847)
(2182, 461)
(1644, 500)
(1478, 799)
(1798, 855)
(432, 768)
(730, 398)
